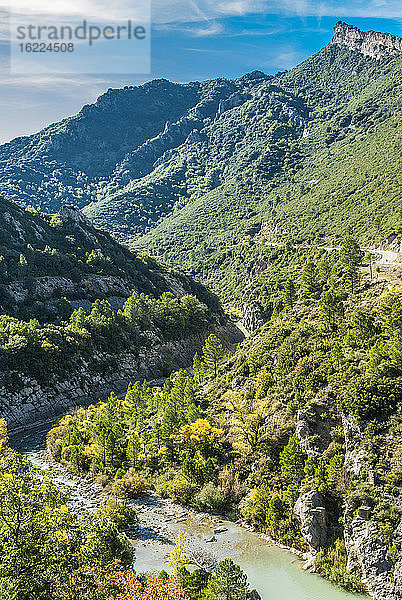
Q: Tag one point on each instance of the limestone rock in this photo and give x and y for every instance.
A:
(311, 512)
(369, 43)
(253, 316)
(312, 429)
(354, 456)
(367, 553)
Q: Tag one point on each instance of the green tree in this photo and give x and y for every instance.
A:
(310, 278)
(276, 515)
(350, 278)
(390, 311)
(212, 352)
(289, 294)
(228, 582)
(193, 583)
(361, 329)
(332, 309)
(199, 368)
(350, 252)
(350, 257)
(291, 460)
(41, 540)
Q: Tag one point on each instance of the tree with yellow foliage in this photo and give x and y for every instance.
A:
(178, 558)
(200, 434)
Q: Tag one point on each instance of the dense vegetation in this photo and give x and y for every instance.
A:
(45, 258)
(313, 153)
(224, 438)
(48, 350)
(52, 266)
(49, 552)
(341, 176)
(311, 404)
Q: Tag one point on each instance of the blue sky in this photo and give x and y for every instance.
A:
(191, 40)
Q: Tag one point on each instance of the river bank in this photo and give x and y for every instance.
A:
(273, 571)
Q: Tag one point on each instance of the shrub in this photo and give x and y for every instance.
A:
(211, 497)
(132, 484)
(331, 564)
(179, 489)
(120, 513)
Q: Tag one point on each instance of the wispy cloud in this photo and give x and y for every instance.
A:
(101, 10)
(327, 8)
(190, 10)
(201, 29)
(202, 17)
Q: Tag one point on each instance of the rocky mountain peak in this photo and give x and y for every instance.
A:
(370, 43)
(70, 211)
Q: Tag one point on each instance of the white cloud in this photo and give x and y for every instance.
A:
(354, 8)
(204, 13)
(239, 7)
(101, 10)
(191, 10)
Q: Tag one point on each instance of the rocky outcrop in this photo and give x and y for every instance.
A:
(312, 514)
(369, 43)
(26, 402)
(313, 428)
(354, 456)
(81, 222)
(233, 101)
(367, 554)
(253, 316)
(89, 287)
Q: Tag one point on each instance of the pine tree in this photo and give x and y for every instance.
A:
(350, 257)
(289, 294)
(324, 271)
(291, 460)
(310, 278)
(351, 278)
(199, 368)
(212, 352)
(228, 582)
(331, 309)
(350, 252)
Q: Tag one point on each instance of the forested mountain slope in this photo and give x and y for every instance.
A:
(44, 258)
(311, 154)
(339, 172)
(82, 314)
(298, 432)
(117, 141)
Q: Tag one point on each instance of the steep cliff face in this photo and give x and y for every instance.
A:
(368, 555)
(311, 512)
(369, 43)
(44, 258)
(26, 402)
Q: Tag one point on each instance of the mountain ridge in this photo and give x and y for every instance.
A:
(259, 149)
(369, 43)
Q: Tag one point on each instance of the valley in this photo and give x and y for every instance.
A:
(201, 338)
(270, 569)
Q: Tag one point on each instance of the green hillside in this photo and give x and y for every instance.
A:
(45, 257)
(192, 173)
(342, 175)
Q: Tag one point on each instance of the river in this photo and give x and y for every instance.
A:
(275, 573)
